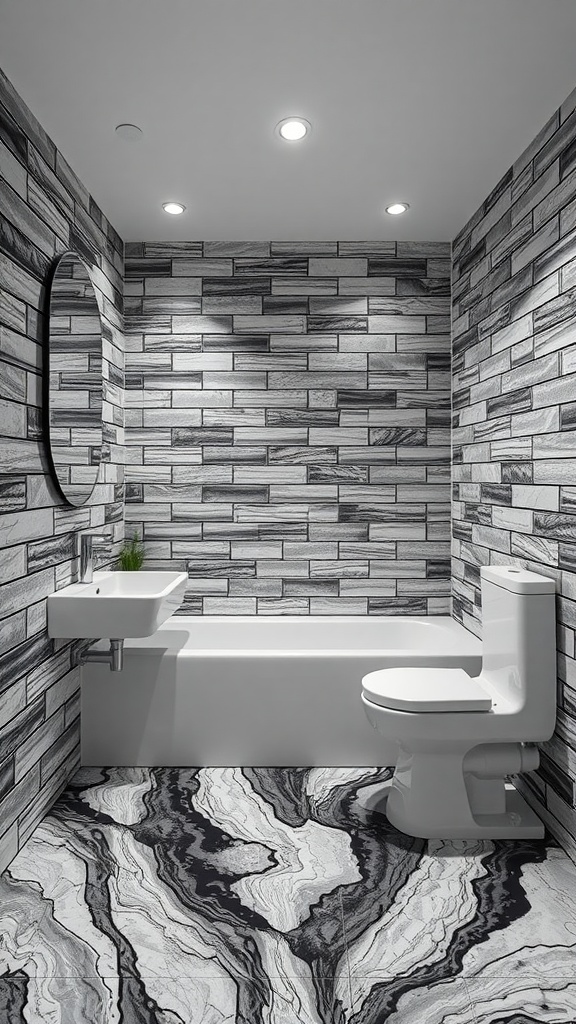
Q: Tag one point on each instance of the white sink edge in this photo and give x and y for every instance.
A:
(77, 611)
(102, 574)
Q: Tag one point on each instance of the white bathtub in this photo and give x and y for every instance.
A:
(248, 691)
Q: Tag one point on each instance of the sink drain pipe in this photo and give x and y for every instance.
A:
(113, 657)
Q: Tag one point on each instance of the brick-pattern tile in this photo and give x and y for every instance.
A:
(287, 423)
(514, 413)
(44, 210)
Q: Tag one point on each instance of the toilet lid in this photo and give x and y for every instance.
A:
(425, 689)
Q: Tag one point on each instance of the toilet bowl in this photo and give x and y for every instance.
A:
(460, 737)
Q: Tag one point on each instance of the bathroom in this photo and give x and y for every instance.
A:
(335, 443)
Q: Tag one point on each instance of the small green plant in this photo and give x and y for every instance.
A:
(132, 555)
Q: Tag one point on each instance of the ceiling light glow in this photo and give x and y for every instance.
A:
(396, 208)
(292, 129)
(173, 208)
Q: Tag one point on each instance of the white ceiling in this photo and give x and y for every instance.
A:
(427, 101)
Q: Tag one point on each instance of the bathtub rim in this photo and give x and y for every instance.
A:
(469, 644)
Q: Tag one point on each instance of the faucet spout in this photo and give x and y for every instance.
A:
(87, 543)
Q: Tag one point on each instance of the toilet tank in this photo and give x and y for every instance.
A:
(519, 640)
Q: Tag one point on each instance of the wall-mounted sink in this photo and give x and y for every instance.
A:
(115, 605)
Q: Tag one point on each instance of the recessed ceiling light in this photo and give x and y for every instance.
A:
(292, 129)
(173, 208)
(397, 208)
(128, 132)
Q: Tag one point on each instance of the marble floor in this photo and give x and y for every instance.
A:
(275, 896)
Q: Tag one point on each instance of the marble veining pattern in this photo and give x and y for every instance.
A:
(288, 424)
(275, 896)
(514, 415)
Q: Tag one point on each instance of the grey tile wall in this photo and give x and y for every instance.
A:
(514, 418)
(288, 423)
(44, 209)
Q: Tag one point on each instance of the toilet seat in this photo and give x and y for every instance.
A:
(426, 690)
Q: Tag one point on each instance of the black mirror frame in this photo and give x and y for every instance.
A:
(46, 382)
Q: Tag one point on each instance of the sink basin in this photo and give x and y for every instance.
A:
(115, 605)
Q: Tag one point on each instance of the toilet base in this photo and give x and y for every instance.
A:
(454, 791)
(517, 821)
(461, 792)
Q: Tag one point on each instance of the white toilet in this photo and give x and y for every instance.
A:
(459, 737)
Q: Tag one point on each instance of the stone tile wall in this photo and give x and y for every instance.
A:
(288, 423)
(288, 429)
(514, 402)
(44, 209)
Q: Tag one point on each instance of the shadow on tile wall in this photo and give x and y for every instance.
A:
(514, 402)
(288, 423)
(44, 209)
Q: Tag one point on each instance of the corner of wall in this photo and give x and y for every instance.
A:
(514, 414)
(44, 210)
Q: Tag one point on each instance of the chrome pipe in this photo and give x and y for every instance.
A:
(113, 657)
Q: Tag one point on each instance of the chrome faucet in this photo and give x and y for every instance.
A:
(87, 544)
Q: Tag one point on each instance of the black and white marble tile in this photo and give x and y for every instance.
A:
(275, 896)
(295, 348)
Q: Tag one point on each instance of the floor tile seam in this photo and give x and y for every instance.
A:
(471, 1002)
(346, 949)
(355, 975)
(505, 976)
(165, 976)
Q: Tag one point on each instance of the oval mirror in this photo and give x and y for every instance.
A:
(74, 379)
